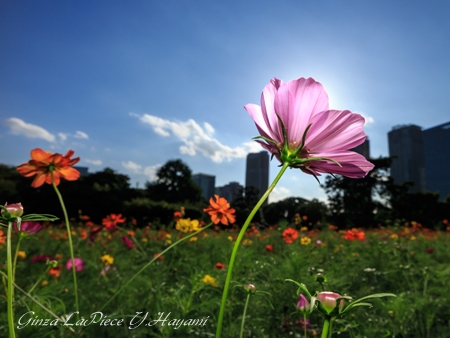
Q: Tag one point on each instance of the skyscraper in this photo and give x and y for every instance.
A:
(363, 149)
(257, 171)
(206, 183)
(406, 144)
(229, 191)
(436, 142)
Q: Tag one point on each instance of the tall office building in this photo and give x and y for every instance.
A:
(406, 144)
(257, 171)
(436, 142)
(363, 149)
(206, 183)
(229, 191)
(84, 171)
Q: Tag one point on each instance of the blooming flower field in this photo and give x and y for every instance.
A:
(186, 281)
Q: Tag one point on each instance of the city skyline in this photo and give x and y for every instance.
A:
(131, 86)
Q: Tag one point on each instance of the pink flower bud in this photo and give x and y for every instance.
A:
(303, 304)
(15, 209)
(328, 300)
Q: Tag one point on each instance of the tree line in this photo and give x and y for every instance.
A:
(369, 202)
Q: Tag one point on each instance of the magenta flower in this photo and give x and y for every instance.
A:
(297, 126)
(329, 301)
(128, 242)
(79, 264)
(29, 228)
(303, 304)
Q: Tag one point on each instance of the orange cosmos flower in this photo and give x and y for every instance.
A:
(269, 248)
(290, 235)
(220, 211)
(353, 234)
(112, 220)
(2, 237)
(219, 266)
(44, 164)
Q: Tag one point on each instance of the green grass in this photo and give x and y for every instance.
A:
(378, 264)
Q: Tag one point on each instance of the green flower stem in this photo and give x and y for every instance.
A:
(238, 242)
(326, 328)
(304, 325)
(69, 236)
(9, 263)
(34, 300)
(154, 259)
(15, 257)
(243, 315)
(39, 279)
(330, 329)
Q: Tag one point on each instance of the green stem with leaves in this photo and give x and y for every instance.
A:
(238, 242)
(9, 264)
(69, 237)
(154, 259)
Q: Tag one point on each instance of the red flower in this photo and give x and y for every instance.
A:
(160, 258)
(290, 235)
(220, 211)
(111, 221)
(269, 248)
(430, 250)
(44, 164)
(353, 234)
(128, 242)
(219, 266)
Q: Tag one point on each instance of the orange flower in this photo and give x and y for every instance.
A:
(219, 266)
(160, 258)
(2, 237)
(112, 220)
(55, 272)
(353, 234)
(44, 164)
(220, 211)
(332, 227)
(290, 235)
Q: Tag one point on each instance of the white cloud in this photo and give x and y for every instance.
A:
(150, 171)
(94, 162)
(80, 134)
(132, 166)
(20, 127)
(197, 139)
(62, 136)
(369, 119)
(278, 194)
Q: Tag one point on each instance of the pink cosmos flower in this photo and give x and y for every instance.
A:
(29, 228)
(79, 264)
(128, 242)
(297, 126)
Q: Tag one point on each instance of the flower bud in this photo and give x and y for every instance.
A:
(328, 300)
(303, 304)
(15, 209)
(250, 288)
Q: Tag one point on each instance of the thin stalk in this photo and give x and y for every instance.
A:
(326, 327)
(330, 329)
(243, 315)
(15, 257)
(238, 242)
(12, 333)
(304, 325)
(39, 279)
(154, 259)
(69, 236)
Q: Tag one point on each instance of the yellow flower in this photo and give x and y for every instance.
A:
(107, 259)
(168, 242)
(305, 240)
(168, 236)
(21, 254)
(186, 225)
(355, 254)
(394, 236)
(144, 240)
(230, 238)
(44, 283)
(413, 238)
(193, 239)
(247, 242)
(304, 229)
(209, 280)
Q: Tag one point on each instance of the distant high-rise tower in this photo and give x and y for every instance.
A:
(406, 144)
(436, 143)
(257, 171)
(206, 183)
(363, 149)
(229, 191)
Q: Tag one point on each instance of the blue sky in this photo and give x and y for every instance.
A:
(131, 85)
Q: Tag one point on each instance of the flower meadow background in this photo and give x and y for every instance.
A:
(116, 232)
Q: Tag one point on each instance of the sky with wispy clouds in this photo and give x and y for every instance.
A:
(132, 84)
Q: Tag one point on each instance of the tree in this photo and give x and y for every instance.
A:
(174, 184)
